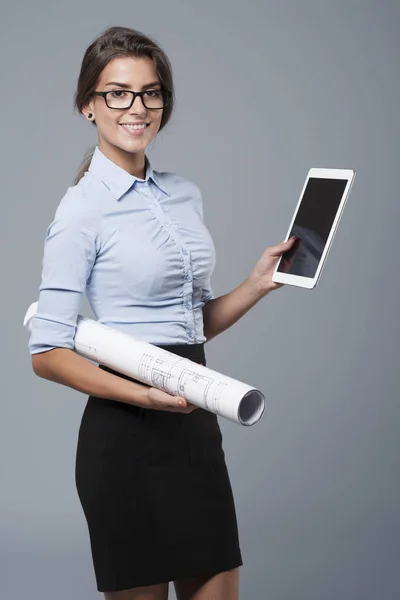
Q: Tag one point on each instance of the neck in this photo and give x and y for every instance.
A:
(132, 162)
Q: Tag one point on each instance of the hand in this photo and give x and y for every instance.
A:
(159, 400)
(261, 275)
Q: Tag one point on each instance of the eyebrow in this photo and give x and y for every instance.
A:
(126, 86)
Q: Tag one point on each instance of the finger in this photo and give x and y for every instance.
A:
(183, 409)
(179, 402)
(186, 407)
(282, 247)
(183, 406)
(160, 397)
(289, 242)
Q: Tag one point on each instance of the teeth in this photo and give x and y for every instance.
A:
(135, 126)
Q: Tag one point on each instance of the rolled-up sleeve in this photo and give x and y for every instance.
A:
(69, 255)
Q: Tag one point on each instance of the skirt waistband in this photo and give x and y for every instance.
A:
(193, 352)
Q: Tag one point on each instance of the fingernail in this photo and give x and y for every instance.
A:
(182, 403)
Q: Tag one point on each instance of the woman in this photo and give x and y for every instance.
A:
(150, 468)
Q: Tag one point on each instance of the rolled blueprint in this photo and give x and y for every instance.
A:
(165, 370)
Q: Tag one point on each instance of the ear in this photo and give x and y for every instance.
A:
(88, 109)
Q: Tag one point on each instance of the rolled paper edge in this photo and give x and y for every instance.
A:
(251, 407)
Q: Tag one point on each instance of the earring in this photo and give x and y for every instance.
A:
(89, 116)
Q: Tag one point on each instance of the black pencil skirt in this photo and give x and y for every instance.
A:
(155, 491)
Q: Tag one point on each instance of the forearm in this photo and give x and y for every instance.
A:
(64, 366)
(221, 313)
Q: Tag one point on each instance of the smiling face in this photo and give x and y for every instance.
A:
(123, 144)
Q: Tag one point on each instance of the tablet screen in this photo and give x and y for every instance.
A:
(312, 225)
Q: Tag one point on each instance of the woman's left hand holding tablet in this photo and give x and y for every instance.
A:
(261, 275)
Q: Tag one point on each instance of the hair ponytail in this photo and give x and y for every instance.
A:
(83, 167)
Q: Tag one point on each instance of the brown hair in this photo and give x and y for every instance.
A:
(112, 43)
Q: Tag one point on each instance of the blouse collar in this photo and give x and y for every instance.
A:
(117, 180)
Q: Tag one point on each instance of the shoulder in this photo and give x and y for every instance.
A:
(78, 206)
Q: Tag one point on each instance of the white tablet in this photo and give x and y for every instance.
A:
(314, 222)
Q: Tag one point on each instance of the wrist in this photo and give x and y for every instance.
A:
(258, 288)
(140, 395)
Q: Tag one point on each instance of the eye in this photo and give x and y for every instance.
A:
(153, 93)
(117, 94)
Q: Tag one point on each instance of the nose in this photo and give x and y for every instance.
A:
(138, 108)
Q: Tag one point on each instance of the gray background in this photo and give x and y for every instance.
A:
(265, 90)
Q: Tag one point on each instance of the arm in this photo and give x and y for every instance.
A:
(221, 313)
(70, 251)
(64, 366)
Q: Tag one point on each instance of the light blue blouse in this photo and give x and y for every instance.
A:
(138, 248)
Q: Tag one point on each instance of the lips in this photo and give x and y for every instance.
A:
(135, 129)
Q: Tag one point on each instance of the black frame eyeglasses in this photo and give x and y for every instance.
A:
(165, 96)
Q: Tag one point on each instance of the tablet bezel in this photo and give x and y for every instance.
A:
(319, 173)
